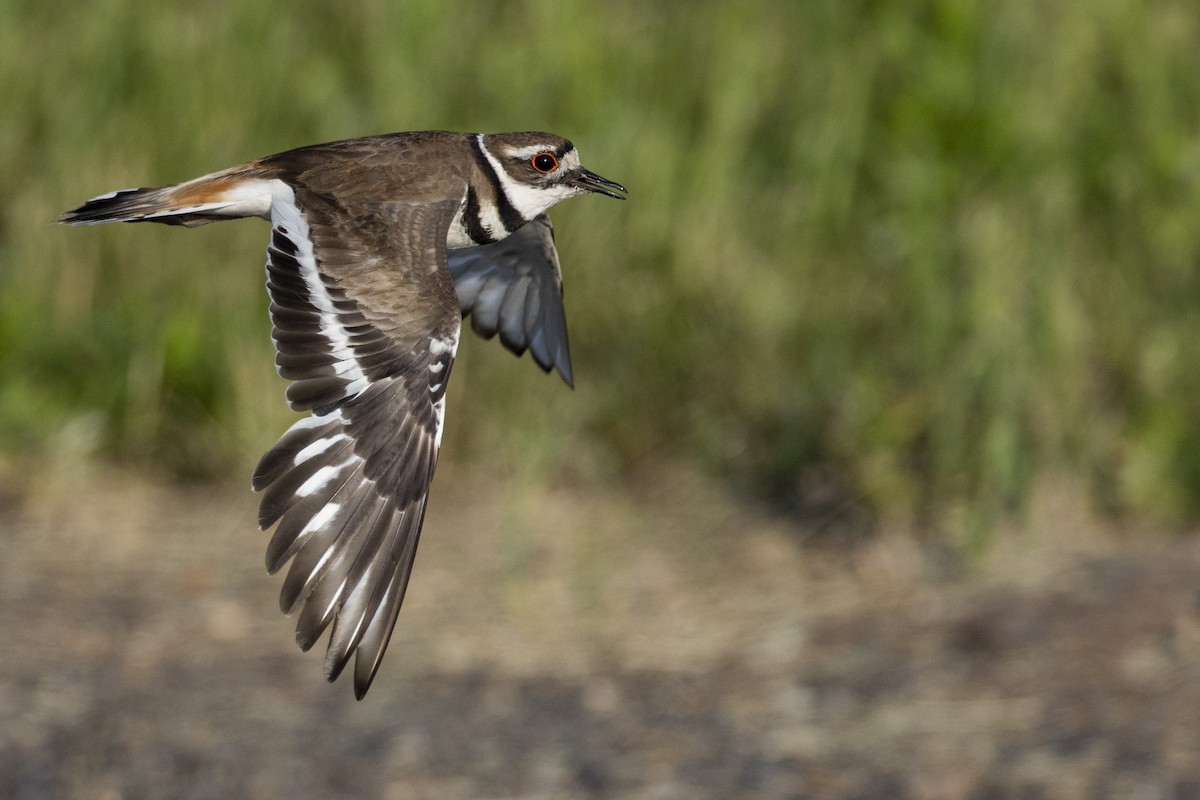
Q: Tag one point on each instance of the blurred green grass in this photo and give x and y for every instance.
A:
(924, 253)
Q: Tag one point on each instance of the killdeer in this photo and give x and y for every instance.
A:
(379, 248)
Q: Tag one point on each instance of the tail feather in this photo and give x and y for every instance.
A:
(239, 192)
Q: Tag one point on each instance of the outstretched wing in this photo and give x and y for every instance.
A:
(365, 325)
(514, 287)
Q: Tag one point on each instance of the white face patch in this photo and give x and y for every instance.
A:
(528, 199)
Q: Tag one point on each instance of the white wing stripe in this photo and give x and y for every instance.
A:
(323, 517)
(318, 447)
(289, 220)
(439, 348)
(174, 210)
(321, 478)
(112, 194)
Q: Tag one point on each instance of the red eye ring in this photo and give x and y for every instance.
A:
(544, 162)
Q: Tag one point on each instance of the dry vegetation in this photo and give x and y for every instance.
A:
(582, 643)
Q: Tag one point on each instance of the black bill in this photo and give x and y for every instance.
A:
(594, 183)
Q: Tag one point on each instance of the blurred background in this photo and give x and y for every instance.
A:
(880, 474)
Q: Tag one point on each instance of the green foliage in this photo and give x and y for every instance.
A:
(933, 249)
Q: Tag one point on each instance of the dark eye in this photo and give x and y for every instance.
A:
(544, 162)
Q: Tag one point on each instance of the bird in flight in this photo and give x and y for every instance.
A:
(379, 248)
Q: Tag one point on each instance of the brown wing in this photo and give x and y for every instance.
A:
(514, 287)
(366, 325)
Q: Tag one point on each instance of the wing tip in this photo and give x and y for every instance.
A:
(364, 674)
(564, 371)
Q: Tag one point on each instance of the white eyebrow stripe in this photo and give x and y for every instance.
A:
(529, 151)
(568, 160)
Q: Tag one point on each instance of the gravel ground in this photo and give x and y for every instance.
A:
(566, 642)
